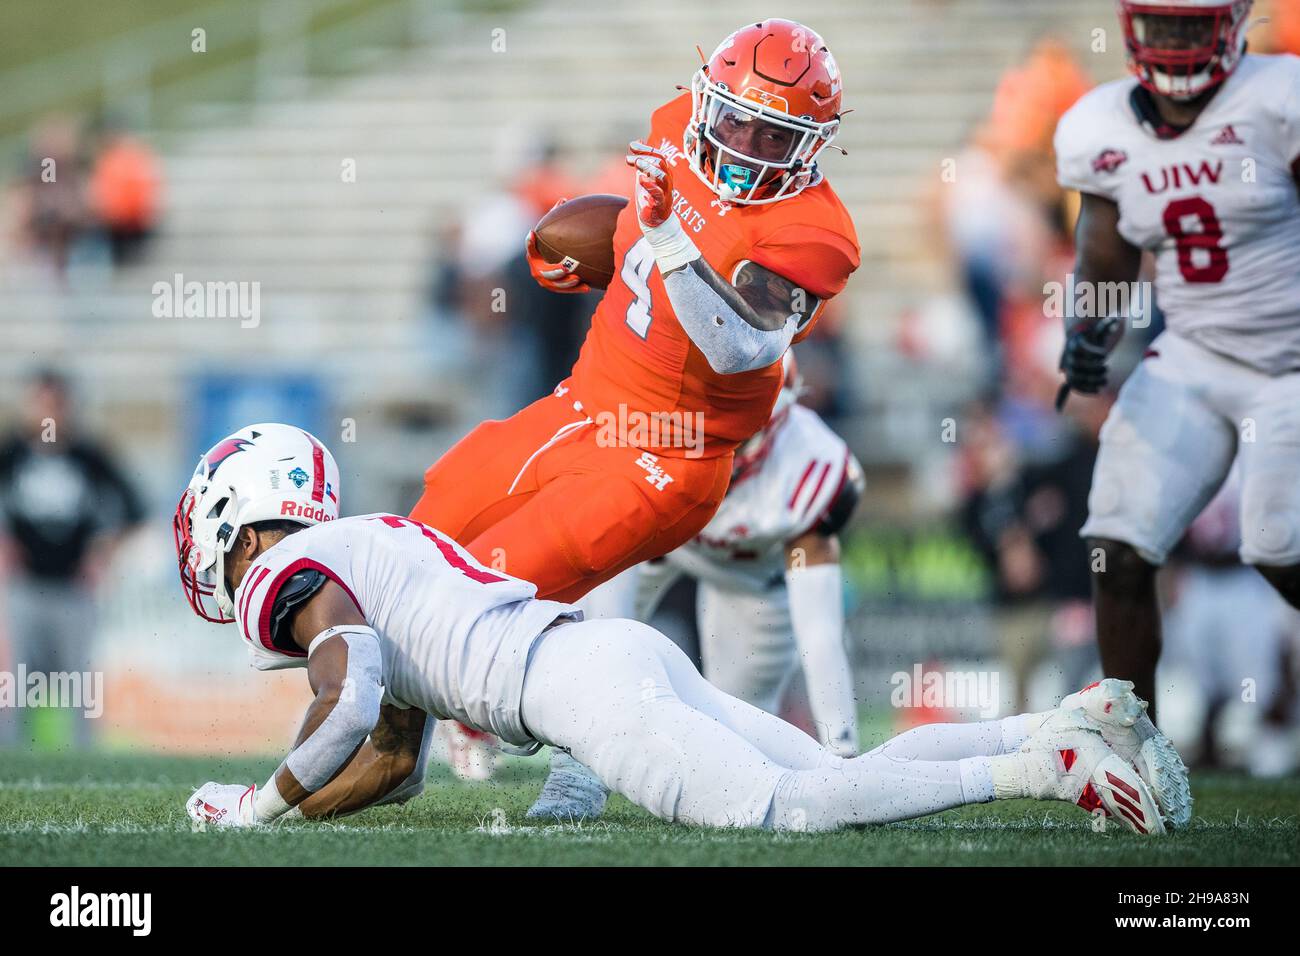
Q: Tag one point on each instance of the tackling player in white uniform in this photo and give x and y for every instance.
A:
(1196, 159)
(396, 623)
(770, 590)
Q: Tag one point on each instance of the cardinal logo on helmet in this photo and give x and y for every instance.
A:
(223, 450)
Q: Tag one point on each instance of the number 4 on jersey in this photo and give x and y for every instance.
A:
(636, 276)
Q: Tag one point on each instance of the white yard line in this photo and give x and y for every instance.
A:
(36, 783)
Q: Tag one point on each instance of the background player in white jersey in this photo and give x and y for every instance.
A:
(770, 590)
(1197, 159)
(396, 623)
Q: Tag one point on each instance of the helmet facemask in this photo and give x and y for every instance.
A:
(749, 152)
(1181, 51)
(204, 532)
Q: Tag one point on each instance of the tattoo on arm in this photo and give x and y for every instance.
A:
(398, 731)
(387, 758)
(759, 296)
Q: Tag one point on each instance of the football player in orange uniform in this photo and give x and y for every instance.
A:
(730, 247)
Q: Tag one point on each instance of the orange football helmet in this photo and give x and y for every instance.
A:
(764, 105)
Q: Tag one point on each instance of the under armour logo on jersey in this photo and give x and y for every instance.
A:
(1227, 137)
(1109, 160)
(656, 475)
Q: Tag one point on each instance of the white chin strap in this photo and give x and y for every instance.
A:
(225, 604)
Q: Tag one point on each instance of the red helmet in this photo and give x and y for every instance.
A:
(1181, 48)
(763, 106)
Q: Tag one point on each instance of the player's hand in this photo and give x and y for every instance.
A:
(1083, 359)
(222, 805)
(654, 184)
(555, 276)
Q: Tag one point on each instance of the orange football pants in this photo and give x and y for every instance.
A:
(542, 497)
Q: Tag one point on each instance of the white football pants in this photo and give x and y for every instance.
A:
(1180, 420)
(747, 645)
(625, 701)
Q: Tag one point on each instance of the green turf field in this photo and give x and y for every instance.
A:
(105, 809)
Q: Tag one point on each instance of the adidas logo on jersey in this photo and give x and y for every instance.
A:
(1227, 136)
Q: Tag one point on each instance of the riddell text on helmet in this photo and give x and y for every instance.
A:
(295, 509)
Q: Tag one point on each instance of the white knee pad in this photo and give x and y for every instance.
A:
(1270, 532)
(1270, 476)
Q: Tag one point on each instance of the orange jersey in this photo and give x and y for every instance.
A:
(638, 359)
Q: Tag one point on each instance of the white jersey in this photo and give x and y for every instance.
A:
(1217, 204)
(803, 469)
(455, 635)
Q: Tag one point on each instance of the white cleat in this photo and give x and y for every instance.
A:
(1121, 716)
(1067, 759)
(572, 793)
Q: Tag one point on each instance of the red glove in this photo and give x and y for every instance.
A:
(555, 276)
(654, 184)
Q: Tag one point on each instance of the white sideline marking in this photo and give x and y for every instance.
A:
(37, 783)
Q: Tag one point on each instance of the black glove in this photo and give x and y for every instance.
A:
(1084, 358)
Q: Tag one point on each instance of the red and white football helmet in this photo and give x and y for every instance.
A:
(260, 473)
(763, 107)
(1181, 48)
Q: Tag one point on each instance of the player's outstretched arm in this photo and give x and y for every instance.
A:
(344, 668)
(389, 768)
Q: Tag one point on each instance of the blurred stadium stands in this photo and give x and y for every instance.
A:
(255, 192)
(436, 106)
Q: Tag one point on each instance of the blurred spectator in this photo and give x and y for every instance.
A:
(49, 195)
(1001, 214)
(75, 206)
(1031, 97)
(63, 506)
(527, 336)
(988, 230)
(125, 187)
(1024, 519)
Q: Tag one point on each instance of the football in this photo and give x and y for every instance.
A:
(582, 230)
